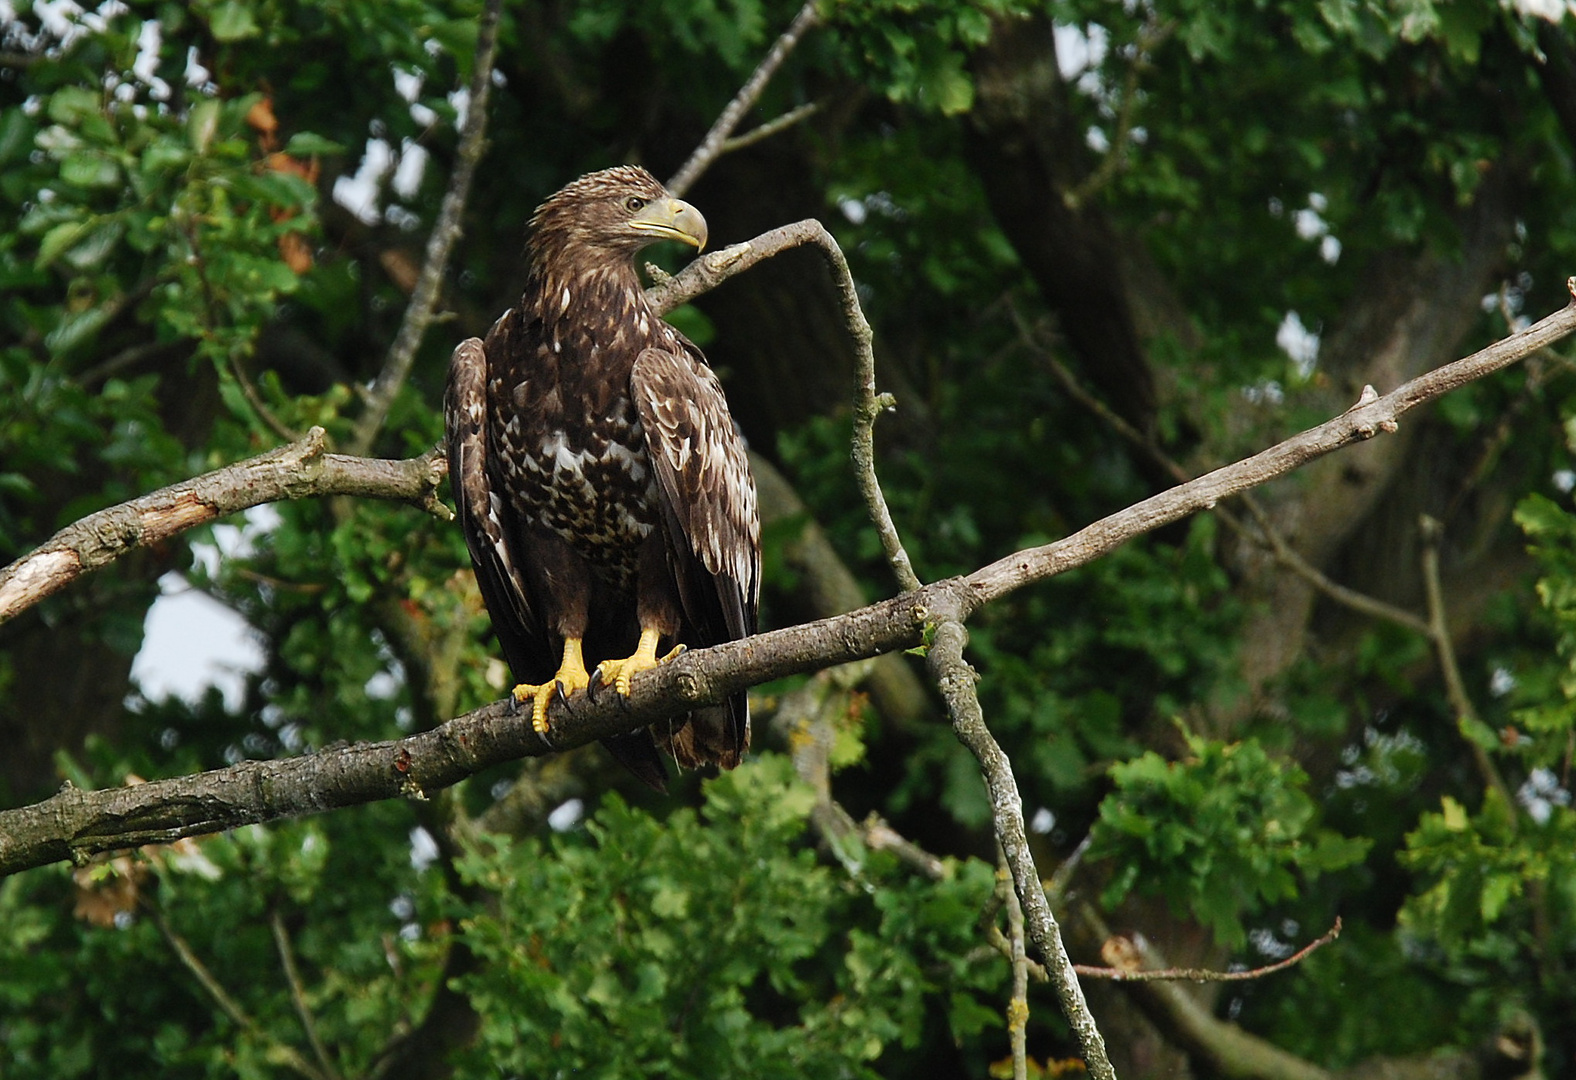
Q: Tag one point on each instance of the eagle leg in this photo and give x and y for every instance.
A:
(620, 672)
(572, 676)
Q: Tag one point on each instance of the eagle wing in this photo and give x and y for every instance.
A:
(707, 497)
(478, 506)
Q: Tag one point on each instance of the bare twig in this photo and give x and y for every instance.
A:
(1056, 888)
(709, 270)
(298, 995)
(440, 243)
(1001, 944)
(713, 145)
(1445, 649)
(286, 1053)
(259, 406)
(956, 679)
(1117, 974)
(1150, 37)
(1018, 1004)
(771, 127)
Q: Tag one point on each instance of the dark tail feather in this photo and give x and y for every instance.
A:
(638, 753)
(716, 735)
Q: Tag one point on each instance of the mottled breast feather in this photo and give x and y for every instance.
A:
(601, 482)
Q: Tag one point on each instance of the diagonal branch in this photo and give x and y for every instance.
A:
(445, 232)
(74, 823)
(286, 1054)
(298, 995)
(297, 471)
(1268, 535)
(714, 145)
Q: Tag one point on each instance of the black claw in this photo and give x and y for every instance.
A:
(596, 684)
(563, 698)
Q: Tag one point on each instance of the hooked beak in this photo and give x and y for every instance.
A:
(672, 219)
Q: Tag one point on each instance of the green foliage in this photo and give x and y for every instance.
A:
(715, 943)
(1488, 880)
(1222, 833)
(1274, 153)
(1480, 868)
(61, 976)
(915, 50)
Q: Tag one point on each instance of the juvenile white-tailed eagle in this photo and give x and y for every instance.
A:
(602, 486)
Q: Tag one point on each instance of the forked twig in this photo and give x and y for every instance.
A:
(714, 145)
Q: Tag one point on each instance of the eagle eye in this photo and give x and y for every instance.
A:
(634, 203)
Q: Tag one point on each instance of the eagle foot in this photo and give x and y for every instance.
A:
(572, 676)
(622, 672)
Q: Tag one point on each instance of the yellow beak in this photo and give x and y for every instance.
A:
(672, 219)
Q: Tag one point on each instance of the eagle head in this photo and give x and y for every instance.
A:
(612, 214)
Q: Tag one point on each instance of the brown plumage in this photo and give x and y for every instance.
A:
(601, 483)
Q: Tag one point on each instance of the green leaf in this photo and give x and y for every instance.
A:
(307, 144)
(232, 20)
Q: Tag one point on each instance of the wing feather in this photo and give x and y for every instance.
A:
(480, 510)
(707, 492)
(708, 509)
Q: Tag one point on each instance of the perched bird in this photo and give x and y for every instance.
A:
(601, 483)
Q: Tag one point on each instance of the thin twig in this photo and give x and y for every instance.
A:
(709, 270)
(298, 994)
(1175, 974)
(227, 1004)
(1150, 38)
(771, 127)
(1018, 1005)
(956, 679)
(440, 244)
(712, 146)
(259, 406)
(1056, 888)
(1444, 647)
(1000, 944)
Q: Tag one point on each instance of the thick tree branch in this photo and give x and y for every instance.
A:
(297, 471)
(75, 823)
(1267, 534)
(715, 144)
(1371, 415)
(445, 232)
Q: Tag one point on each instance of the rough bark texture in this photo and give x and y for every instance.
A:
(74, 823)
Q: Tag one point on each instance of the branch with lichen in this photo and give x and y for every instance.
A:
(75, 823)
(300, 470)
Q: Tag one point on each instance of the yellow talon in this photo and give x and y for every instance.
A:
(621, 672)
(572, 676)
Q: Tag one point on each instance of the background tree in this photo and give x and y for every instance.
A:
(1099, 248)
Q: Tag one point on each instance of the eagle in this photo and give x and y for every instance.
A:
(600, 480)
